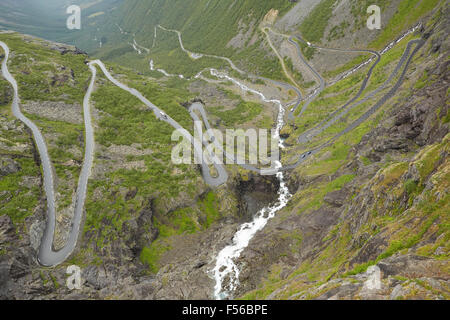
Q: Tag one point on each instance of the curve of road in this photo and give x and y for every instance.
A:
(195, 55)
(281, 60)
(316, 92)
(322, 82)
(231, 159)
(419, 44)
(47, 256)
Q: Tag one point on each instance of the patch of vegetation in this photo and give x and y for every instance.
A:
(326, 103)
(427, 160)
(290, 66)
(270, 284)
(394, 247)
(265, 122)
(258, 62)
(151, 255)
(423, 81)
(348, 66)
(312, 199)
(44, 74)
(411, 186)
(307, 51)
(366, 161)
(182, 221)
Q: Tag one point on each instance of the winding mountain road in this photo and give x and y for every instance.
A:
(225, 265)
(281, 60)
(316, 92)
(350, 104)
(322, 82)
(231, 159)
(195, 55)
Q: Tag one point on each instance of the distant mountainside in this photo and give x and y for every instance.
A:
(369, 212)
(47, 18)
(225, 28)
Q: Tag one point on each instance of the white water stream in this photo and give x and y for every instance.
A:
(226, 268)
